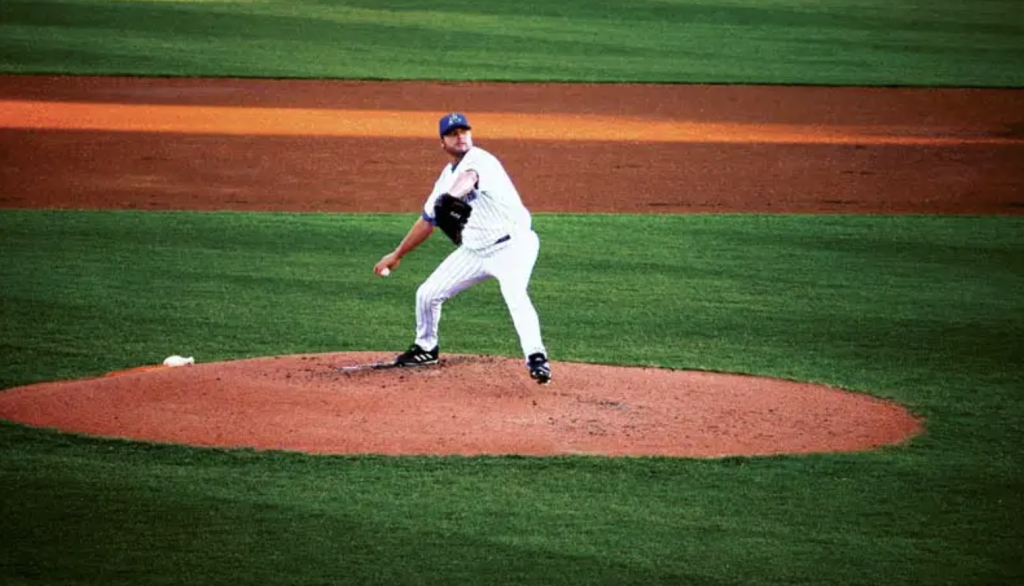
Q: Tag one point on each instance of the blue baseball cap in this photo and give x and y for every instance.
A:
(453, 120)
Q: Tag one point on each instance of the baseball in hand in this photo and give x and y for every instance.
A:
(385, 272)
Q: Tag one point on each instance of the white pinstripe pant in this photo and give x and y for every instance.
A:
(511, 263)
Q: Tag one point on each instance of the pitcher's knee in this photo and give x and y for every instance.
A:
(516, 298)
(427, 295)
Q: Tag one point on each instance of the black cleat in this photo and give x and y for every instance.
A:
(416, 356)
(540, 370)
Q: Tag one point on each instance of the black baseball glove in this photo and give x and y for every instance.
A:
(451, 215)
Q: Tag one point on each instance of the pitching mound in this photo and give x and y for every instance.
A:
(467, 405)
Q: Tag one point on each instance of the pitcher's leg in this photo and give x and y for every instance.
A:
(513, 268)
(524, 317)
(456, 273)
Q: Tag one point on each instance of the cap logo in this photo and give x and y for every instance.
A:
(452, 120)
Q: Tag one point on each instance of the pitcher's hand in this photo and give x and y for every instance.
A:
(389, 262)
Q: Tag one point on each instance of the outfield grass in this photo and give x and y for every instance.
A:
(924, 310)
(853, 42)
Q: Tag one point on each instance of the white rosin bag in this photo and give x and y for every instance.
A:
(178, 361)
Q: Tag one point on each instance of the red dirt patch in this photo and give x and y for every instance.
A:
(467, 405)
(322, 146)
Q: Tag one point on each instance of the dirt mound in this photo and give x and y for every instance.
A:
(466, 405)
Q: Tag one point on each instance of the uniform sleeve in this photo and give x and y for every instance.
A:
(483, 164)
(428, 206)
(428, 211)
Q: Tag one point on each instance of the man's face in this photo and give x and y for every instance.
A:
(458, 141)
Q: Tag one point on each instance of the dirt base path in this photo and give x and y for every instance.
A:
(235, 144)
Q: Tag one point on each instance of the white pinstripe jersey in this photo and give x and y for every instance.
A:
(498, 210)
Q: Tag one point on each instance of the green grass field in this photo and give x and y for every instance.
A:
(928, 311)
(861, 42)
(924, 310)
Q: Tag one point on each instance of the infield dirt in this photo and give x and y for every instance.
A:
(238, 144)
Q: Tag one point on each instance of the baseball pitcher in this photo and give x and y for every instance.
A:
(476, 205)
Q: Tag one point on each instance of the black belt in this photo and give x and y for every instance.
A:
(504, 238)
